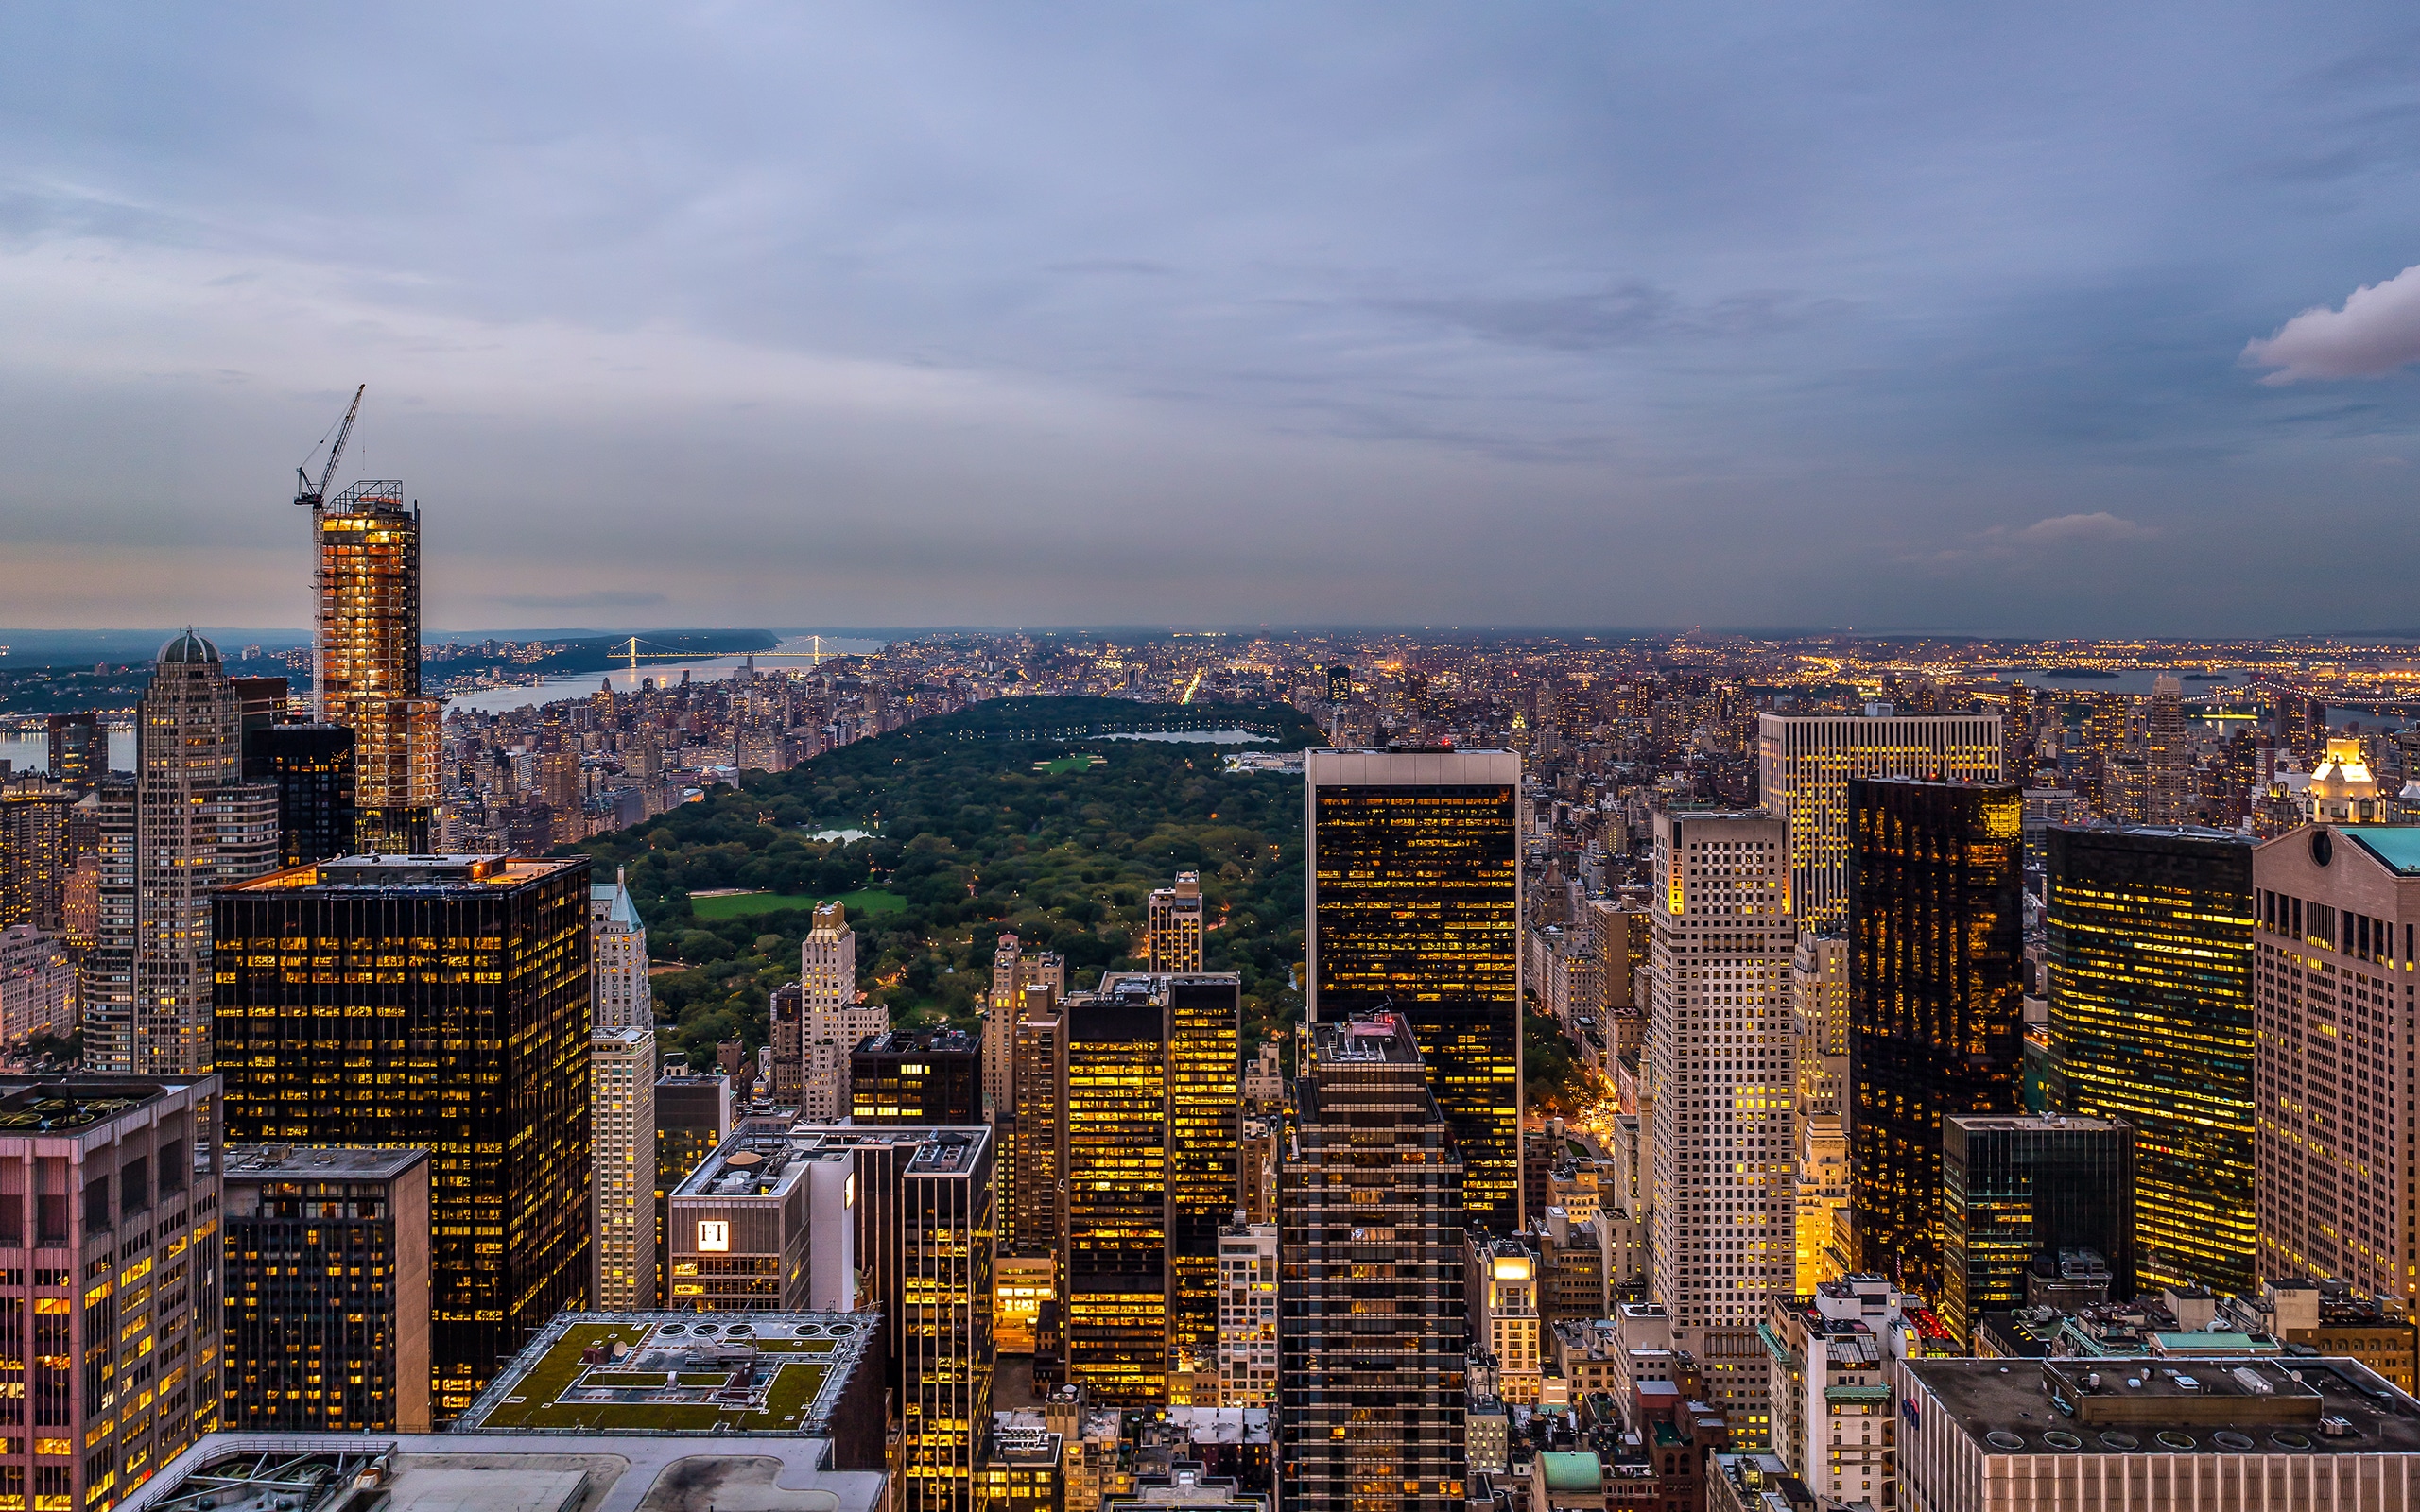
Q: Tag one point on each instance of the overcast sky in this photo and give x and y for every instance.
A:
(2052, 318)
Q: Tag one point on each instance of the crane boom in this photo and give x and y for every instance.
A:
(306, 493)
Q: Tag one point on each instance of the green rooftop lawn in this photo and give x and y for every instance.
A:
(534, 1403)
(746, 905)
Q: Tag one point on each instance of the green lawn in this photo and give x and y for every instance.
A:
(745, 904)
(1079, 763)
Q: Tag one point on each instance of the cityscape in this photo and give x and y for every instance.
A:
(1347, 808)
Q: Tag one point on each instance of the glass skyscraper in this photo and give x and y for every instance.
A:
(366, 659)
(2151, 1022)
(1935, 999)
(2015, 1188)
(1414, 903)
(434, 1000)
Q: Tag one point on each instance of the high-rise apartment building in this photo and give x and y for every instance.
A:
(2150, 995)
(1414, 903)
(693, 1116)
(37, 985)
(79, 749)
(2334, 1144)
(197, 826)
(1722, 1050)
(439, 1002)
(1019, 979)
(311, 767)
(365, 659)
(2017, 1188)
(617, 945)
(1174, 920)
(110, 1316)
(1819, 1011)
(832, 1020)
(1247, 1349)
(37, 852)
(918, 1076)
(327, 1288)
(1936, 998)
(1033, 1133)
(621, 1123)
(1805, 762)
(2167, 755)
(1373, 1326)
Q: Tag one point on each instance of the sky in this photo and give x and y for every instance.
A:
(2057, 320)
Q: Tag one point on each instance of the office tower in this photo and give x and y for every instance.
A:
(311, 767)
(1414, 902)
(621, 1122)
(1246, 1345)
(1034, 1134)
(108, 1197)
(1722, 1051)
(1118, 1190)
(1805, 762)
(559, 781)
(2151, 972)
(37, 985)
(927, 1077)
(327, 1287)
(1174, 919)
(693, 1116)
(2168, 754)
(907, 1209)
(365, 659)
(2017, 1187)
(37, 852)
(1819, 1012)
(79, 749)
(2334, 1151)
(1372, 1327)
(1340, 683)
(440, 1002)
(617, 945)
(198, 826)
(1936, 991)
(1018, 977)
(832, 1020)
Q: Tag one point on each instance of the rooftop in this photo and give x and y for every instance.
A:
(768, 1373)
(386, 873)
(2397, 847)
(59, 1104)
(2222, 1404)
(319, 1163)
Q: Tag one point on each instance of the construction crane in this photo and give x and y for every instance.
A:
(303, 492)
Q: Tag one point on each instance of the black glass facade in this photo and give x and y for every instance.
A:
(1935, 999)
(1415, 904)
(312, 768)
(2150, 937)
(2014, 1189)
(929, 1077)
(1117, 1179)
(441, 1001)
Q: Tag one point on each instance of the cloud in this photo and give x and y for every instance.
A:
(2377, 332)
(2081, 529)
(596, 598)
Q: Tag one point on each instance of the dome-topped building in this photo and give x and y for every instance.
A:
(188, 648)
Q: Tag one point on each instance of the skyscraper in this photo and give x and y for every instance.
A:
(1818, 1004)
(311, 767)
(2151, 972)
(1805, 762)
(1033, 1133)
(197, 826)
(1018, 978)
(79, 749)
(2334, 1143)
(693, 1116)
(621, 1122)
(2167, 755)
(434, 1000)
(1935, 999)
(37, 852)
(617, 945)
(364, 660)
(1414, 902)
(1173, 942)
(917, 1076)
(831, 1020)
(1116, 1264)
(1722, 1050)
(2015, 1188)
(1373, 1327)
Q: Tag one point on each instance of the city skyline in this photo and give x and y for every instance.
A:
(1996, 324)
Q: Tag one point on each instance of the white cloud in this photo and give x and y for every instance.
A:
(2377, 332)
(2081, 529)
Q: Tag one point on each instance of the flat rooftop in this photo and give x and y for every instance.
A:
(2242, 1405)
(758, 1161)
(59, 1104)
(765, 1373)
(319, 1163)
(385, 872)
(482, 1473)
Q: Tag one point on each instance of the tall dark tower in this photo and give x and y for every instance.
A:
(311, 767)
(2152, 1022)
(1936, 943)
(441, 1001)
(1414, 903)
